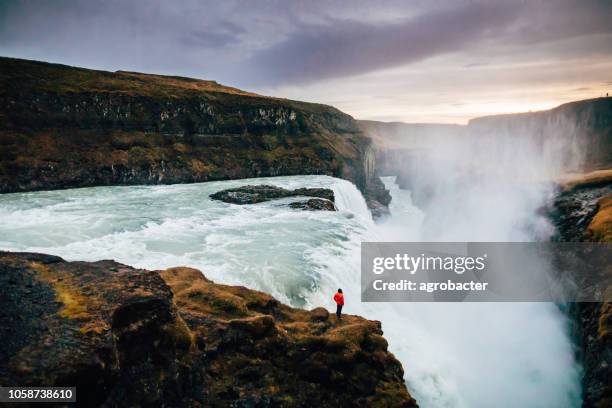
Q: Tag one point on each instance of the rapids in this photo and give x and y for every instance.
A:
(454, 355)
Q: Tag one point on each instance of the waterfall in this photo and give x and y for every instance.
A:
(349, 198)
(454, 355)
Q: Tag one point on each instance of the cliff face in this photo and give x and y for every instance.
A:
(587, 123)
(398, 146)
(580, 133)
(128, 337)
(583, 212)
(69, 127)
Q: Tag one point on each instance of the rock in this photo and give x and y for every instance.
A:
(582, 212)
(257, 194)
(131, 337)
(123, 343)
(314, 204)
(250, 194)
(324, 193)
(378, 210)
(573, 210)
(319, 314)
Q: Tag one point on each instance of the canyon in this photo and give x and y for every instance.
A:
(180, 335)
(63, 127)
(573, 143)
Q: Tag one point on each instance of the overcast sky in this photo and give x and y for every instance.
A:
(414, 61)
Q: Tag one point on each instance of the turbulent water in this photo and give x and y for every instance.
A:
(454, 355)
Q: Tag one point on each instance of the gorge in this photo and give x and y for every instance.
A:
(147, 151)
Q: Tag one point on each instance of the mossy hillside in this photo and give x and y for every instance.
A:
(71, 127)
(252, 339)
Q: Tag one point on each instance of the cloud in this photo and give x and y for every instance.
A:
(476, 64)
(271, 43)
(347, 47)
(224, 35)
(338, 48)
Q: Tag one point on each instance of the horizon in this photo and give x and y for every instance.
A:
(426, 62)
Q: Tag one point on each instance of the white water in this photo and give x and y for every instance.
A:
(454, 355)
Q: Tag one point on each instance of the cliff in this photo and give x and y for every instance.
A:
(588, 123)
(583, 127)
(398, 146)
(583, 212)
(66, 127)
(130, 337)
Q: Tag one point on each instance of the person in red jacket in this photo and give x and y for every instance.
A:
(339, 299)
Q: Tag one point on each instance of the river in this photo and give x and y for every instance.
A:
(454, 355)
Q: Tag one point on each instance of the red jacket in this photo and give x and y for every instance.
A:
(339, 298)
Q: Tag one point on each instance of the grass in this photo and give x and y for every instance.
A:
(19, 76)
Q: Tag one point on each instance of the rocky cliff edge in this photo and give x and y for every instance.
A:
(132, 337)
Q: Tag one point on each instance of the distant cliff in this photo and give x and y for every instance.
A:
(397, 145)
(588, 123)
(64, 127)
(128, 337)
(584, 128)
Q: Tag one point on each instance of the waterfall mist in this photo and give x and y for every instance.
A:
(487, 184)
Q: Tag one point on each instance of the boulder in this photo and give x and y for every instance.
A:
(314, 204)
(260, 193)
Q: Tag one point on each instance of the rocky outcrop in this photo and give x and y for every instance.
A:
(583, 212)
(131, 337)
(66, 127)
(314, 204)
(261, 193)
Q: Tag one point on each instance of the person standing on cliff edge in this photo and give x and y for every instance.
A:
(339, 299)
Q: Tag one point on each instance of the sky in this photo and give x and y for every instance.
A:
(412, 61)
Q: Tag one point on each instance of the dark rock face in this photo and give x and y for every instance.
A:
(129, 337)
(314, 204)
(261, 193)
(378, 210)
(579, 215)
(64, 127)
(108, 329)
(573, 211)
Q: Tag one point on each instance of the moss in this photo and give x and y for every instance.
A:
(73, 301)
(65, 79)
(600, 228)
(200, 167)
(180, 147)
(180, 334)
